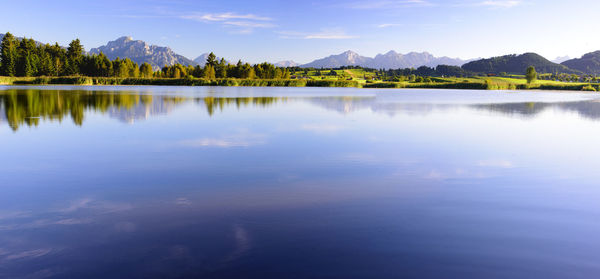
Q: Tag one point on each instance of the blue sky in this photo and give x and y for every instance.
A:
(267, 30)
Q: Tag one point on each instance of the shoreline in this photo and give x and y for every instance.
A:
(472, 84)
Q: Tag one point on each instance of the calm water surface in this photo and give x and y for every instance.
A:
(177, 182)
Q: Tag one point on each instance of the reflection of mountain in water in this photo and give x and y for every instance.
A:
(142, 111)
(587, 109)
(347, 105)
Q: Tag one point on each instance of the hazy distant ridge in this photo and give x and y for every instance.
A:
(389, 60)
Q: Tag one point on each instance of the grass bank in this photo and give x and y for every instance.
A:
(495, 83)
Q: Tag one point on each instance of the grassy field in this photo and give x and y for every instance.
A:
(353, 78)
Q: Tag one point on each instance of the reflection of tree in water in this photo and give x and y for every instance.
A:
(27, 107)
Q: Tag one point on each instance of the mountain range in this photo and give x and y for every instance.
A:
(389, 60)
(140, 52)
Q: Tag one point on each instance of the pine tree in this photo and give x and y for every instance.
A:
(8, 55)
(75, 57)
(211, 60)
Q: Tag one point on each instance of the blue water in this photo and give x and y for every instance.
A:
(201, 182)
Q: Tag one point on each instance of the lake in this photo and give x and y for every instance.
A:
(231, 182)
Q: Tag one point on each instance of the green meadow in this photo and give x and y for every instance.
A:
(481, 83)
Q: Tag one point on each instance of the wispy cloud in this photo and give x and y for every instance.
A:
(249, 24)
(386, 25)
(324, 34)
(245, 22)
(224, 17)
(387, 4)
(500, 3)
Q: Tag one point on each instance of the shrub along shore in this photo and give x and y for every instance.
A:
(478, 84)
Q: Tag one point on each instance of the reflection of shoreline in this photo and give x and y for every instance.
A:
(346, 105)
(28, 106)
(587, 109)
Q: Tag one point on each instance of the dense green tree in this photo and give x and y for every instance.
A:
(74, 57)
(211, 60)
(146, 70)
(8, 56)
(531, 74)
(209, 72)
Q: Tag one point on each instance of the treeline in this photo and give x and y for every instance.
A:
(394, 74)
(28, 58)
(219, 69)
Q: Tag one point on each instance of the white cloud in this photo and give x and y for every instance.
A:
(387, 4)
(249, 24)
(224, 17)
(501, 3)
(385, 25)
(324, 34)
(245, 22)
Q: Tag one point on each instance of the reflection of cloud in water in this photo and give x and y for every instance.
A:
(60, 217)
(127, 227)
(27, 254)
(42, 223)
(242, 139)
(183, 202)
(242, 242)
(496, 164)
(100, 206)
(322, 128)
(456, 173)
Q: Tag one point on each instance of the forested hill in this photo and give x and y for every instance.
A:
(516, 64)
(589, 63)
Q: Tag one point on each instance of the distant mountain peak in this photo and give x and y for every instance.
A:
(561, 59)
(139, 52)
(287, 63)
(389, 60)
(201, 60)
